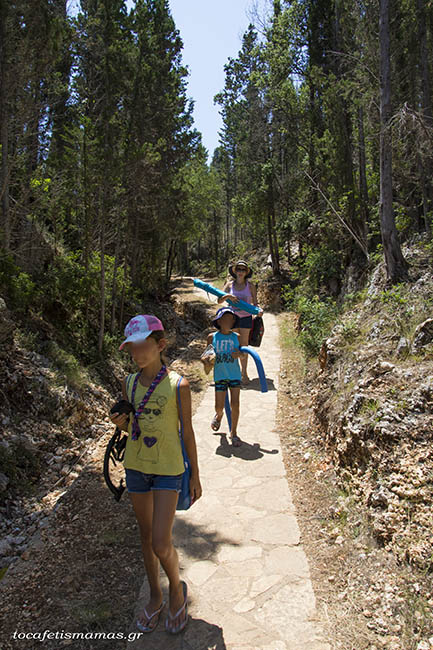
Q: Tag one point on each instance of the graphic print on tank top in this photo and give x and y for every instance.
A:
(226, 366)
(151, 437)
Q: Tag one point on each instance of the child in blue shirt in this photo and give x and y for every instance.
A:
(227, 372)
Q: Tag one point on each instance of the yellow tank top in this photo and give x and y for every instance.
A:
(159, 428)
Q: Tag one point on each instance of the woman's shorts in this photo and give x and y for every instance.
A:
(245, 323)
(223, 384)
(139, 483)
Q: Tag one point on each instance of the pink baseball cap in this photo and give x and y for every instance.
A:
(140, 327)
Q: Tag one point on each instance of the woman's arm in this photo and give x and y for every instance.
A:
(189, 439)
(226, 294)
(254, 297)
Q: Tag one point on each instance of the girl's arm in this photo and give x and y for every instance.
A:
(121, 420)
(189, 439)
(236, 353)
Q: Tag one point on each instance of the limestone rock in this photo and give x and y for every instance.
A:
(7, 325)
(3, 482)
(403, 347)
(5, 547)
(423, 334)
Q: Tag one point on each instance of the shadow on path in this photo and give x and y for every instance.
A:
(254, 384)
(245, 451)
(198, 635)
(201, 635)
(196, 541)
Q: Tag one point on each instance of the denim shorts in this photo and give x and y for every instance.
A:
(140, 483)
(223, 384)
(245, 322)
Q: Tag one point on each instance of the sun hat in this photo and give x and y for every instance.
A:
(140, 327)
(221, 312)
(233, 266)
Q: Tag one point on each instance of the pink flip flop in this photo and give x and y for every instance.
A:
(169, 620)
(147, 627)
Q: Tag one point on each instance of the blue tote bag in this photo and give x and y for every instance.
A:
(184, 500)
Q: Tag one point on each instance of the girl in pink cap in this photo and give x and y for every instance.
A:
(154, 463)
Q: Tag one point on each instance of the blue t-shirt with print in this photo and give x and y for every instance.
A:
(226, 367)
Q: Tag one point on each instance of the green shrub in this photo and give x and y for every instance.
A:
(350, 330)
(18, 287)
(21, 466)
(321, 265)
(317, 317)
(66, 363)
(394, 297)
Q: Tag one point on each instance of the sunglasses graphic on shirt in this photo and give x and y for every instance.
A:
(148, 411)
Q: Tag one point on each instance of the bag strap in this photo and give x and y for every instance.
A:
(179, 403)
(128, 384)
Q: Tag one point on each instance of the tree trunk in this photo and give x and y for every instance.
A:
(171, 256)
(215, 234)
(4, 134)
(102, 297)
(86, 206)
(134, 231)
(114, 287)
(272, 230)
(122, 299)
(427, 167)
(363, 187)
(396, 266)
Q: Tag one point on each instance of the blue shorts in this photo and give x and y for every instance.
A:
(223, 384)
(140, 483)
(246, 322)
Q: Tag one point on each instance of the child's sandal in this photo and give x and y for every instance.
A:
(216, 423)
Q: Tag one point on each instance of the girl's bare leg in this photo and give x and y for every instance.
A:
(234, 399)
(220, 396)
(244, 333)
(235, 392)
(164, 509)
(143, 508)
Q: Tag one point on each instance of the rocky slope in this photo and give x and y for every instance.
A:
(373, 400)
(53, 413)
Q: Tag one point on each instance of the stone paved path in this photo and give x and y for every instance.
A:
(239, 546)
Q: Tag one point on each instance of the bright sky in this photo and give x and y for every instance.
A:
(212, 32)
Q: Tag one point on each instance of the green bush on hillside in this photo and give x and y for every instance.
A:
(317, 317)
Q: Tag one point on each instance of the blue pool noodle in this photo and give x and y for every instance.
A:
(262, 378)
(209, 288)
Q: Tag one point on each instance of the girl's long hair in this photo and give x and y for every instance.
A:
(157, 336)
